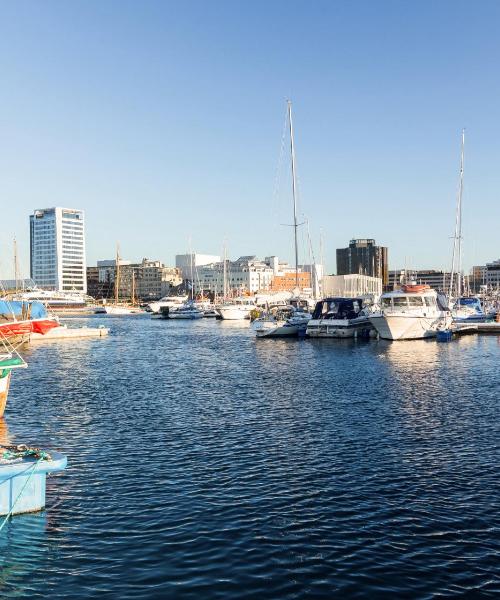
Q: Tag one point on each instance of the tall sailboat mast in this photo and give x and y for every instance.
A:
(456, 261)
(294, 191)
(224, 274)
(117, 274)
(16, 266)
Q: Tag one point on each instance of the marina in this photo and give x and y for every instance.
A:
(249, 300)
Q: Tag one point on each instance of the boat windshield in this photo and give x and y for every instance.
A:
(400, 301)
(416, 301)
(338, 308)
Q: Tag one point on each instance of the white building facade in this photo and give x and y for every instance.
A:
(247, 274)
(57, 249)
(188, 262)
(350, 286)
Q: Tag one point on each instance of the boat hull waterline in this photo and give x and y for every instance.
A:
(405, 327)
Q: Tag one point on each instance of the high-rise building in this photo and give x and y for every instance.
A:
(363, 257)
(57, 249)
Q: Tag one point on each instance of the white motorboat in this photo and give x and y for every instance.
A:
(281, 326)
(236, 310)
(414, 312)
(468, 310)
(186, 311)
(340, 318)
(166, 302)
(117, 309)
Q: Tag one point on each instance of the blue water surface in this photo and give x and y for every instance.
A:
(204, 463)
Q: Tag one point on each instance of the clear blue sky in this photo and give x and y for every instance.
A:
(163, 121)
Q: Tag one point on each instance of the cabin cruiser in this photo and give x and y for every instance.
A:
(414, 312)
(186, 311)
(468, 310)
(166, 302)
(237, 309)
(283, 323)
(56, 300)
(340, 318)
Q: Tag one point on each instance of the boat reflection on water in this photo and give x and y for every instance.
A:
(5, 439)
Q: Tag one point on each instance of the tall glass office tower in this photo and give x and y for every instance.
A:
(57, 249)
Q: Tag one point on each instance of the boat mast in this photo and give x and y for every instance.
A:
(16, 266)
(456, 260)
(117, 274)
(294, 191)
(224, 274)
(459, 274)
(133, 287)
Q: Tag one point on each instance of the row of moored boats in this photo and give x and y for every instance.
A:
(412, 312)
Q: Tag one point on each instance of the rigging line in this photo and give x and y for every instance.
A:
(279, 167)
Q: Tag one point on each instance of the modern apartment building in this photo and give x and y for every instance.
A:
(363, 257)
(57, 249)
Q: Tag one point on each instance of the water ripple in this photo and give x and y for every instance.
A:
(206, 464)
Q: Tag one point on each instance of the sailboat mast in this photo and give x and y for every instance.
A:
(224, 274)
(16, 266)
(456, 260)
(294, 191)
(459, 274)
(117, 274)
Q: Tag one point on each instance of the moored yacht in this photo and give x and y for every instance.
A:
(166, 302)
(468, 310)
(186, 311)
(414, 312)
(282, 324)
(340, 318)
(56, 300)
(237, 309)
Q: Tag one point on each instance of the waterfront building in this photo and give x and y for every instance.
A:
(186, 262)
(437, 280)
(246, 274)
(57, 249)
(493, 274)
(287, 282)
(249, 274)
(350, 286)
(363, 257)
(147, 280)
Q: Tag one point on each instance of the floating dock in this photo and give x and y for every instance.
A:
(492, 327)
(65, 333)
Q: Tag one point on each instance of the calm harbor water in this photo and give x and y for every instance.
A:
(206, 464)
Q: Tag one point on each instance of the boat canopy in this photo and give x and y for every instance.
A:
(21, 310)
(338, 308)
